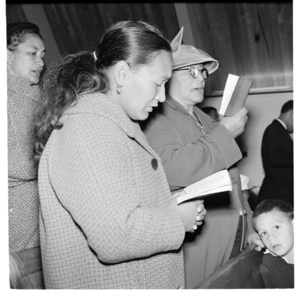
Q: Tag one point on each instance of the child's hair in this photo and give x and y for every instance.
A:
(269, 204)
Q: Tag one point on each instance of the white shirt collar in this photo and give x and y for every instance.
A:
(267, 251)
(282, 123)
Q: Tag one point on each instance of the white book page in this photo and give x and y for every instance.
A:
(228, 91)
(213, 181)
(225, 188)
(211, 184)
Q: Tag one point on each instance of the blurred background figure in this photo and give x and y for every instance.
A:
(25, 53)
(17, 274)
(278, 157)
(212, 112)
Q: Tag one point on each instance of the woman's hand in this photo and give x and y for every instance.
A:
(192, 213)
(254, 238)
(235, 124)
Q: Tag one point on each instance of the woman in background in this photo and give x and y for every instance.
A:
(25, 53)
(108, 220)
(193, 146)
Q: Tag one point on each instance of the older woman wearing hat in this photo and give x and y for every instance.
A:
(192, 146)
(25, 53)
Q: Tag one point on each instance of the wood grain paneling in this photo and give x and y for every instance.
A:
(254, 40)
(15, 13)
(79, 27)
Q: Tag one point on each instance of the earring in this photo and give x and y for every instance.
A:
(119, 89)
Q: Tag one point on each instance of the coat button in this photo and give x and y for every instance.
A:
(154, 163)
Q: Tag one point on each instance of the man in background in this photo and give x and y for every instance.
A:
(277, 157)
(212, 112)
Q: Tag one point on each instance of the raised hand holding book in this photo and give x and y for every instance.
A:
(215, 183)
(235, 94)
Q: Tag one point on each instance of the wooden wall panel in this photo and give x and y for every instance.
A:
(80, 26)
(15, 13)
(254, 40)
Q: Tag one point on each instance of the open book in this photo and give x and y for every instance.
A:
(235, 94)
(215, 183)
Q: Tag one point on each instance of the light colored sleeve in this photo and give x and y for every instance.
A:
(99, 191)
(187, 163)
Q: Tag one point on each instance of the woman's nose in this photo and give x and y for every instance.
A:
(161, 96)
(40, 61)
(201, 76)
(201, 79)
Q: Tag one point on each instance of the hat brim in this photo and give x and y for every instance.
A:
(189, 55)
(211, 66)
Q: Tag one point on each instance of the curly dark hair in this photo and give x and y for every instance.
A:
(60, 87)
(19, 38)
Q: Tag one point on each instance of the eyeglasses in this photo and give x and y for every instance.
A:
(195, 72)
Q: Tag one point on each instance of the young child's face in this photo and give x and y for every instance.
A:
(276, 231)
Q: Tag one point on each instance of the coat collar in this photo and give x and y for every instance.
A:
(100, 104)
(177, 106)
(22, 87)
(281, 122)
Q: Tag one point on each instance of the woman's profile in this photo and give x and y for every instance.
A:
(108, 219)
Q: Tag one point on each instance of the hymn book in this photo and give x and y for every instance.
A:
(235, 94)
(215, 183)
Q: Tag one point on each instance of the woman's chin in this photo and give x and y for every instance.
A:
(33, 81)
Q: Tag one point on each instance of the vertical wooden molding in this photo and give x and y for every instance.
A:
(35, 13)
(184, 20)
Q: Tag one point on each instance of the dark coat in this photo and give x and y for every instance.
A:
(277, 157)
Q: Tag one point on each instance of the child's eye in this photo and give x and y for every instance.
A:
(276, 227)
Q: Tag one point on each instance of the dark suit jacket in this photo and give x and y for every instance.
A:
(277, 157)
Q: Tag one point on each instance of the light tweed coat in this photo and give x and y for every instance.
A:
(23, 203)
(103, 219)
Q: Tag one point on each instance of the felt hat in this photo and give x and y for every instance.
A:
(186, 55)
(13, 28)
